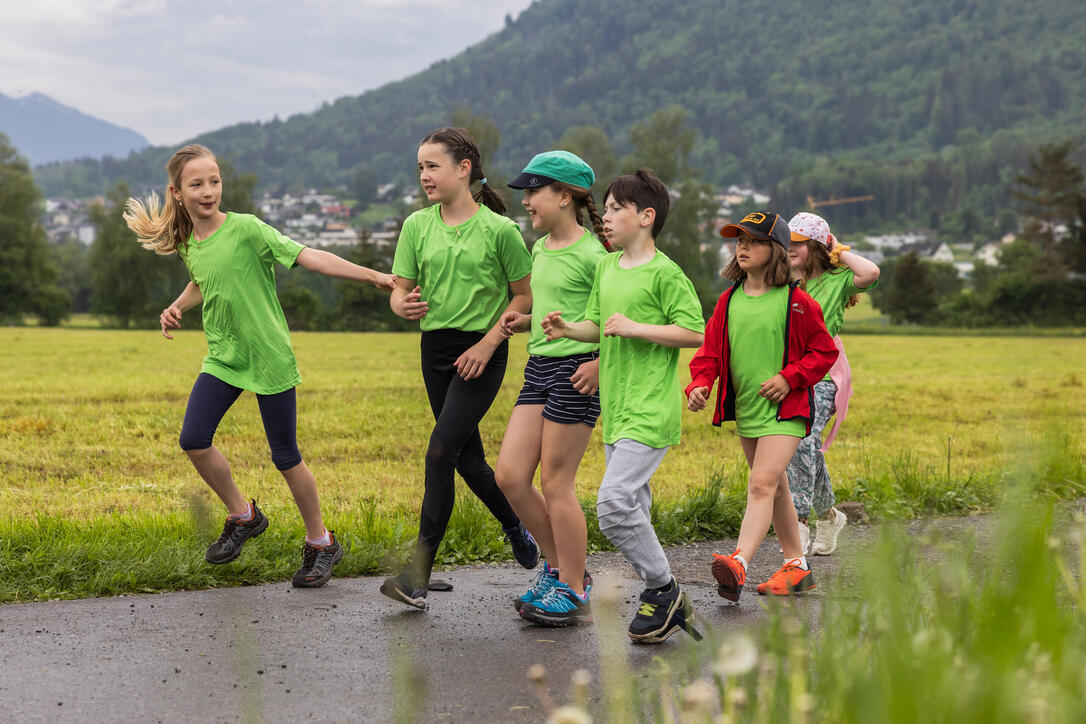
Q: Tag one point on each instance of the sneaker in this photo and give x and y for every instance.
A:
(543, 582)
(234, 534)
(401, 588)
(826, 533)
(730, 575)
(317, 562)
(804, 538)
(560, 606)
(524, 547)
(789, 579)
(661, 614)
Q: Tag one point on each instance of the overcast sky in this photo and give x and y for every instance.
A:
(170, 70)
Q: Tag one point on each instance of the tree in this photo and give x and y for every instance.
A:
(362, 308)
(364, 182)
(911, 295)
(591, 144)
(1051, 191)
(129, 282)
(73, 273)
(27, 274)
(237, 189)
(482, 129)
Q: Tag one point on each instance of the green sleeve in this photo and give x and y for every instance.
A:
(404, 263)
(274, 247)
(680, 301)
(592, 309)
(513, 253)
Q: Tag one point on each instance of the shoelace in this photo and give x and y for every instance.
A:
(556, 600)
(542, 584)
(228, 530)
(309, 555)
(646, 609)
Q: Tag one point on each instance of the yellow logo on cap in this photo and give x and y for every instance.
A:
(756, 218)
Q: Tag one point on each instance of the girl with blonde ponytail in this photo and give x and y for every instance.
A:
(230, 258)
(553, 418)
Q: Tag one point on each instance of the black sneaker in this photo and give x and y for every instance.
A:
(401, 588)
(661, 614)
(317, 562)
(234, 534)
(524, 547)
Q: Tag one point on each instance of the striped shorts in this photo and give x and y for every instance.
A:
(546, 382)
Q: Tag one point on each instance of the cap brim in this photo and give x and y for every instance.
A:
(730, 231)
(799, 237)
(530, 181)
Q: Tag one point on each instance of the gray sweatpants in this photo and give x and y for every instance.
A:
(624, 504)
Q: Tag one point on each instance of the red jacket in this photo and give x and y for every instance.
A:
(809, 352)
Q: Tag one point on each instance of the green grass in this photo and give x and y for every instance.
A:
(96, 497)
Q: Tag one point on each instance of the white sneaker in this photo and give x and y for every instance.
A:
(804, 538)
(826, 533)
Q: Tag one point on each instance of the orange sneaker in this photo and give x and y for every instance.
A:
(729, 574)
(788, 580)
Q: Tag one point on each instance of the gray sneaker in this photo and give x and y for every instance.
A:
(826, 533)
(234, 534)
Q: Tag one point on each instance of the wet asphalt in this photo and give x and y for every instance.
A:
(346, 653)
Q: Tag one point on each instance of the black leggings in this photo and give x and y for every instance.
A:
(455, 444)
(211, 398)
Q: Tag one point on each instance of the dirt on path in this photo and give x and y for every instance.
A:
(274, 653)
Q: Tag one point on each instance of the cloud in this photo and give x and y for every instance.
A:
(173, 70)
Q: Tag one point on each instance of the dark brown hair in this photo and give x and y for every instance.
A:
(818, 263)
(460, 145)
(645, 191)
(778, 271)
(582, 202)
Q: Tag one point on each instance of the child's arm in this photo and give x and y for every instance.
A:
(665, 335)
(190, 297)
(330, 265)
(555, 328)
(586, 379)
(474, 360)
(864, 271)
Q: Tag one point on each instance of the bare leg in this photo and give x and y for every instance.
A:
(515, 469)
(768, 458)
(303, 486)
(563, 448)
(215, 470)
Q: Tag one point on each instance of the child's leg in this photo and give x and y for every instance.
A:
(563, 448)
(623, 505)
(279, 413)
(208, 402)
(515, 470)
(768, 458)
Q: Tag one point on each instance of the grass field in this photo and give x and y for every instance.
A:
(89, 422)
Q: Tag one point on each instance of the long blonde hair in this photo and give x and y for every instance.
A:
(164, 228)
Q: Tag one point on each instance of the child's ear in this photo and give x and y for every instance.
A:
(648, 216)
(465, 168)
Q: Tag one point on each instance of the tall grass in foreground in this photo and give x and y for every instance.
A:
(957, 629)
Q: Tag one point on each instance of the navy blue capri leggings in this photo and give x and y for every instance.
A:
(211, 398)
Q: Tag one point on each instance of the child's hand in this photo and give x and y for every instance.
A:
(474, 360)
(619, 325)
(386, 282)
(696, 401)
(170, 319)
(412, 307)
(554, 326)
(586, 379)
(513, 321)
(775, 389)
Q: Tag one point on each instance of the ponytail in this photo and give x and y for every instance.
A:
(460, 145)
(162, 229)
(582, 202)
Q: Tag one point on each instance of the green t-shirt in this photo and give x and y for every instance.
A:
(464, 271)
(831, 290)
(640, 398)
(756, 353)
(248, 344)
(562, 280)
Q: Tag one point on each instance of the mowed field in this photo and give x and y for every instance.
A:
(89, 420)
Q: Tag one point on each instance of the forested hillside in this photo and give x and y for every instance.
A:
(930, 106)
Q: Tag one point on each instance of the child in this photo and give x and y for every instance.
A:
(463, 257)
(553, 418)
(230, 259)
(646, 309)
(834, 277)
(760, 321)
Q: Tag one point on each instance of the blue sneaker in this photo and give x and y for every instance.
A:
(560, 606)
(543, 582)
(525, 549)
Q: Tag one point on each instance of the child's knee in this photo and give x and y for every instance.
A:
(194, 444)
(762, 485)
(285, 458)
(613, 516)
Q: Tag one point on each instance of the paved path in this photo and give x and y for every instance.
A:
(274, 653)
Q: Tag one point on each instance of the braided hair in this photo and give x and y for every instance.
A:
(461, 146)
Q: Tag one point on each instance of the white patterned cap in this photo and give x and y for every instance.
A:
(806, 226)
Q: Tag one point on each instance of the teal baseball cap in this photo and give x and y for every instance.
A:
(550, 166)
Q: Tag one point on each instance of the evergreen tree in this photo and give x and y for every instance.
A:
(911, 297)
(27, 274)
(591, 144)
(1051, 191)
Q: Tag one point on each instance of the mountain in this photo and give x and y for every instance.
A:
(930, 106)
(43, 130)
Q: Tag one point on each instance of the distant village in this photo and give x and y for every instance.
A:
(325, 220)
